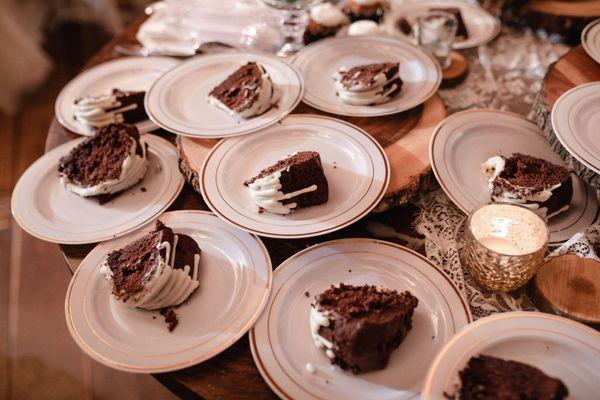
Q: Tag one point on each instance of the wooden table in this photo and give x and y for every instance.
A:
(231, 374)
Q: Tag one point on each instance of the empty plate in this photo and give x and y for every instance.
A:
(46, 210)
(590, 39)
(355, 165)
(557, 346)
(235, 281)
(463, 141)
(420, 73)
(130, 73)
(178, 100)
(281, 340)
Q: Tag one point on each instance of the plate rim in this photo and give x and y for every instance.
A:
(368, 209)
(394, 40)
(492, 319)
(216, 56)
(231, 341)
(285, 264)
(594, 55)
(59, 149)
(81, 76)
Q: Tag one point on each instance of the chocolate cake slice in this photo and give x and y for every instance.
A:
(487, 377)
(116, 107)
(156, 271)
(373, 10)
(360, 326)
(107, 163)
(462, 32)
(531, 182)
(245, 93)
(368, 84)
(297, 181)
(325, 20)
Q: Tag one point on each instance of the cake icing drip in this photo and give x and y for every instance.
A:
(99, 111)
(267, 96)
(266, 193)
(317, 320)
(376, 90)
(166, 285)
(133, 169)
(326, 14)
(364, 27)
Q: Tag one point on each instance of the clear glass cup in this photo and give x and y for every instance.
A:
(435, 31)
(286, 38)
(504, 246)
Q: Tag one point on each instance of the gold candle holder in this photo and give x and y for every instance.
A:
(504, 246)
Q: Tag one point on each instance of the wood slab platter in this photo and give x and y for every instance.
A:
(572, 69)
(570, 285)
(404, 136)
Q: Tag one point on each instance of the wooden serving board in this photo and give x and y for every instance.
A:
(405, 138)
(572, 69)
(570, 285)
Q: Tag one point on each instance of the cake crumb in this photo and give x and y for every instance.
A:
(307, 294)
(350, 270)
(143, 189)
(170, 318)
(433, 337)
(327, 381)
(154, 317)
(310, 368)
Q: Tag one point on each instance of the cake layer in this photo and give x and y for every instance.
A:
(245, 93)
(365, 9)
(359, 326)
(487, 377)
(295, 182)
(532, 182)
(368, 84)
(115, 107)
(109, 162)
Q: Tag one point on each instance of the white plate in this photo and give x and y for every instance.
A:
(481, 25)
(420, 73)
(590, 39)
(355, 165)
(45, 209)
(235, 281)
(463, 141)
(282, 345)
(575, 119)
(177, 101)
(558, 346)
(130, 73)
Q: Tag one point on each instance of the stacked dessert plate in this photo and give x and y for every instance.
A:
(282, 344)
(130, 73)
(465, 140)
(590, 39)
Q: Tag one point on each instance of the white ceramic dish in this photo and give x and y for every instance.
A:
(235, 281)
(420, 73)
(355, 165)
(590, 39)
(463, 141)
(46, 210)
(548, 342)
(281, 341)
(129, 73)
(178, 100)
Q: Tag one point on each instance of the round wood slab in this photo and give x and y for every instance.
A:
(572, 69)
(570, 285)
(405, 138)
(456, 72)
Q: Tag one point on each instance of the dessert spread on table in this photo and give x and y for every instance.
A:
(118, 106)
(368, 84)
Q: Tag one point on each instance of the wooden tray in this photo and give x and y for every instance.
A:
(572, 69)
(405, 138)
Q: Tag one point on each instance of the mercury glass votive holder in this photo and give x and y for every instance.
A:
(504, 246)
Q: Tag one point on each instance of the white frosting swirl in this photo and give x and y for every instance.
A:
(317, 320)
(266, 193)
(364, 27)
(132, 171)
(267, 96)
(92, 110)
(168, 286)
(361, 94)
(326, 14)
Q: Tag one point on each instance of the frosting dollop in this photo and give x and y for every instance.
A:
(326, 14)
(364, 27)
(266, 193)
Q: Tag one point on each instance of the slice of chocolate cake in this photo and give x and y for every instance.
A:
(531, 182)
(325, 21)
(156, 271)
(246, 93)
(461, 30)
(487, 377)
(360, 326)
(368, 84)
(115, 107)
(107, 163)
(297, 181)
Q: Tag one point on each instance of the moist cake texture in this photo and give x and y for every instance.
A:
(360, 326)
(368, 84)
